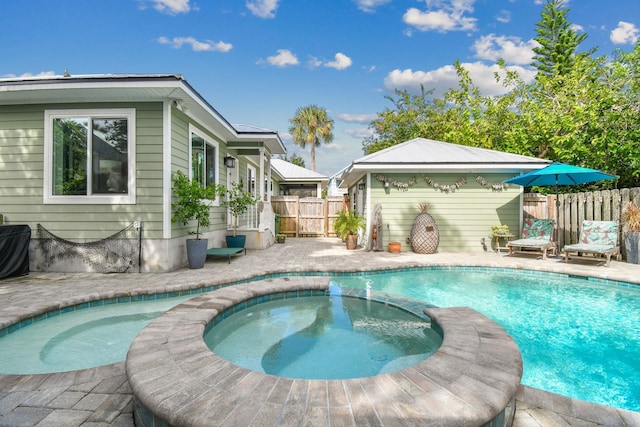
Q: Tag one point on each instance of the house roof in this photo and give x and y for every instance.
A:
(420, 154)
(171, 88)
(287, 171)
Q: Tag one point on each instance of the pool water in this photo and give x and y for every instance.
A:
(79, 339)
(577, 338)
(323, 337)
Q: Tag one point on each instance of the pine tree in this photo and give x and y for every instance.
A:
(558, 41)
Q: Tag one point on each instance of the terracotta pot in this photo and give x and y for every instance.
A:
(352, 241)
(394, 247)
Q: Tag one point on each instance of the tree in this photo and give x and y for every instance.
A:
(463, 116)
(558, 41)
(295, 159)
(403, 122)
(311, 125)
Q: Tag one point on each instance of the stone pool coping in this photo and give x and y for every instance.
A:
(176, 380)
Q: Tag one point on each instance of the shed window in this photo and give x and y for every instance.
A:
(89, 156)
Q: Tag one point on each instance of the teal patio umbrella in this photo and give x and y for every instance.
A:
(558, 173)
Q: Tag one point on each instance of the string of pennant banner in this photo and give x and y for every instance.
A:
(444, 188)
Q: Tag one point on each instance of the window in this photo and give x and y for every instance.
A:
(90, 156)
(251, 181)
(204, 158)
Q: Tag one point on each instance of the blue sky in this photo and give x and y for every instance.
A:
(257, 61)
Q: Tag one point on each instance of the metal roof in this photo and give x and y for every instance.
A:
(421, 154)
(290, 172)
(421, 151)
(132, 88)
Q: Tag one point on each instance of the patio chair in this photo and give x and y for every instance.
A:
(228, 252)
(536, 236)
(597, 239)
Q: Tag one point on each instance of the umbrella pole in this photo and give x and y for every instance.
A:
(557, 219)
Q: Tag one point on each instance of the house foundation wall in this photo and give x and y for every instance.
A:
(156, 255)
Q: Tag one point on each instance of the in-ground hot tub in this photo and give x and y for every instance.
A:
(471, 379)
(322, 336)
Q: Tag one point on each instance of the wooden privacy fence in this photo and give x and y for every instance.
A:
(573, 208)
(307, 216)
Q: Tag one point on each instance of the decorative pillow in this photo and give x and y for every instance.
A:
(537, 228)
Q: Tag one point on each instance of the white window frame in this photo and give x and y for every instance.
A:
(97, 199)
(208, 141)
(251, 173)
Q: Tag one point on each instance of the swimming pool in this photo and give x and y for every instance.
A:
(602, 317)
(79, 339)
(578, 338)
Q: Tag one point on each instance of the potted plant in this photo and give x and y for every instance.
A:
(238, 201)
(631, 223)
(347, 225)
(499, 230)
(192, 203)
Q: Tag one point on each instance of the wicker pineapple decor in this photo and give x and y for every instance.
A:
(424, 234)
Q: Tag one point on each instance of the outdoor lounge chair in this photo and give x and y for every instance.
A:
(536, 236)
(597, 238)
(226, 252)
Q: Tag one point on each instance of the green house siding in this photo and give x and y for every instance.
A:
(180, 162)
(463, 217)
(21, 177)
(21, 154)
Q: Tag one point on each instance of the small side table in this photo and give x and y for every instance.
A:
(502, 238)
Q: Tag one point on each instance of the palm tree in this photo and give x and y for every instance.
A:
(310, 126)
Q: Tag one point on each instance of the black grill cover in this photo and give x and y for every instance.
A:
(14, 250)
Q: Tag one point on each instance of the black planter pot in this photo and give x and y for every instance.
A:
(236, 241)
(197, 252)
(632, 244)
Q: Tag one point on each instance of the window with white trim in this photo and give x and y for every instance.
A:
(251, 181)
(89, 156)
(204, 157)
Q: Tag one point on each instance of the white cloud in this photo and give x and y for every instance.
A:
(171, 7)
(370, 6)
(361, 133)
(341, 62)
(357, 118)
(40, 74)
(196, 46)
(284, 58)
(504, 16)
(625, 32)
(512, 49)
(442, 16)
(444, 78)
(314, 62)
(263, 8)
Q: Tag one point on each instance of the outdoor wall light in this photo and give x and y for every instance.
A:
(361, 186)
(230, 162)
(386, 184)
